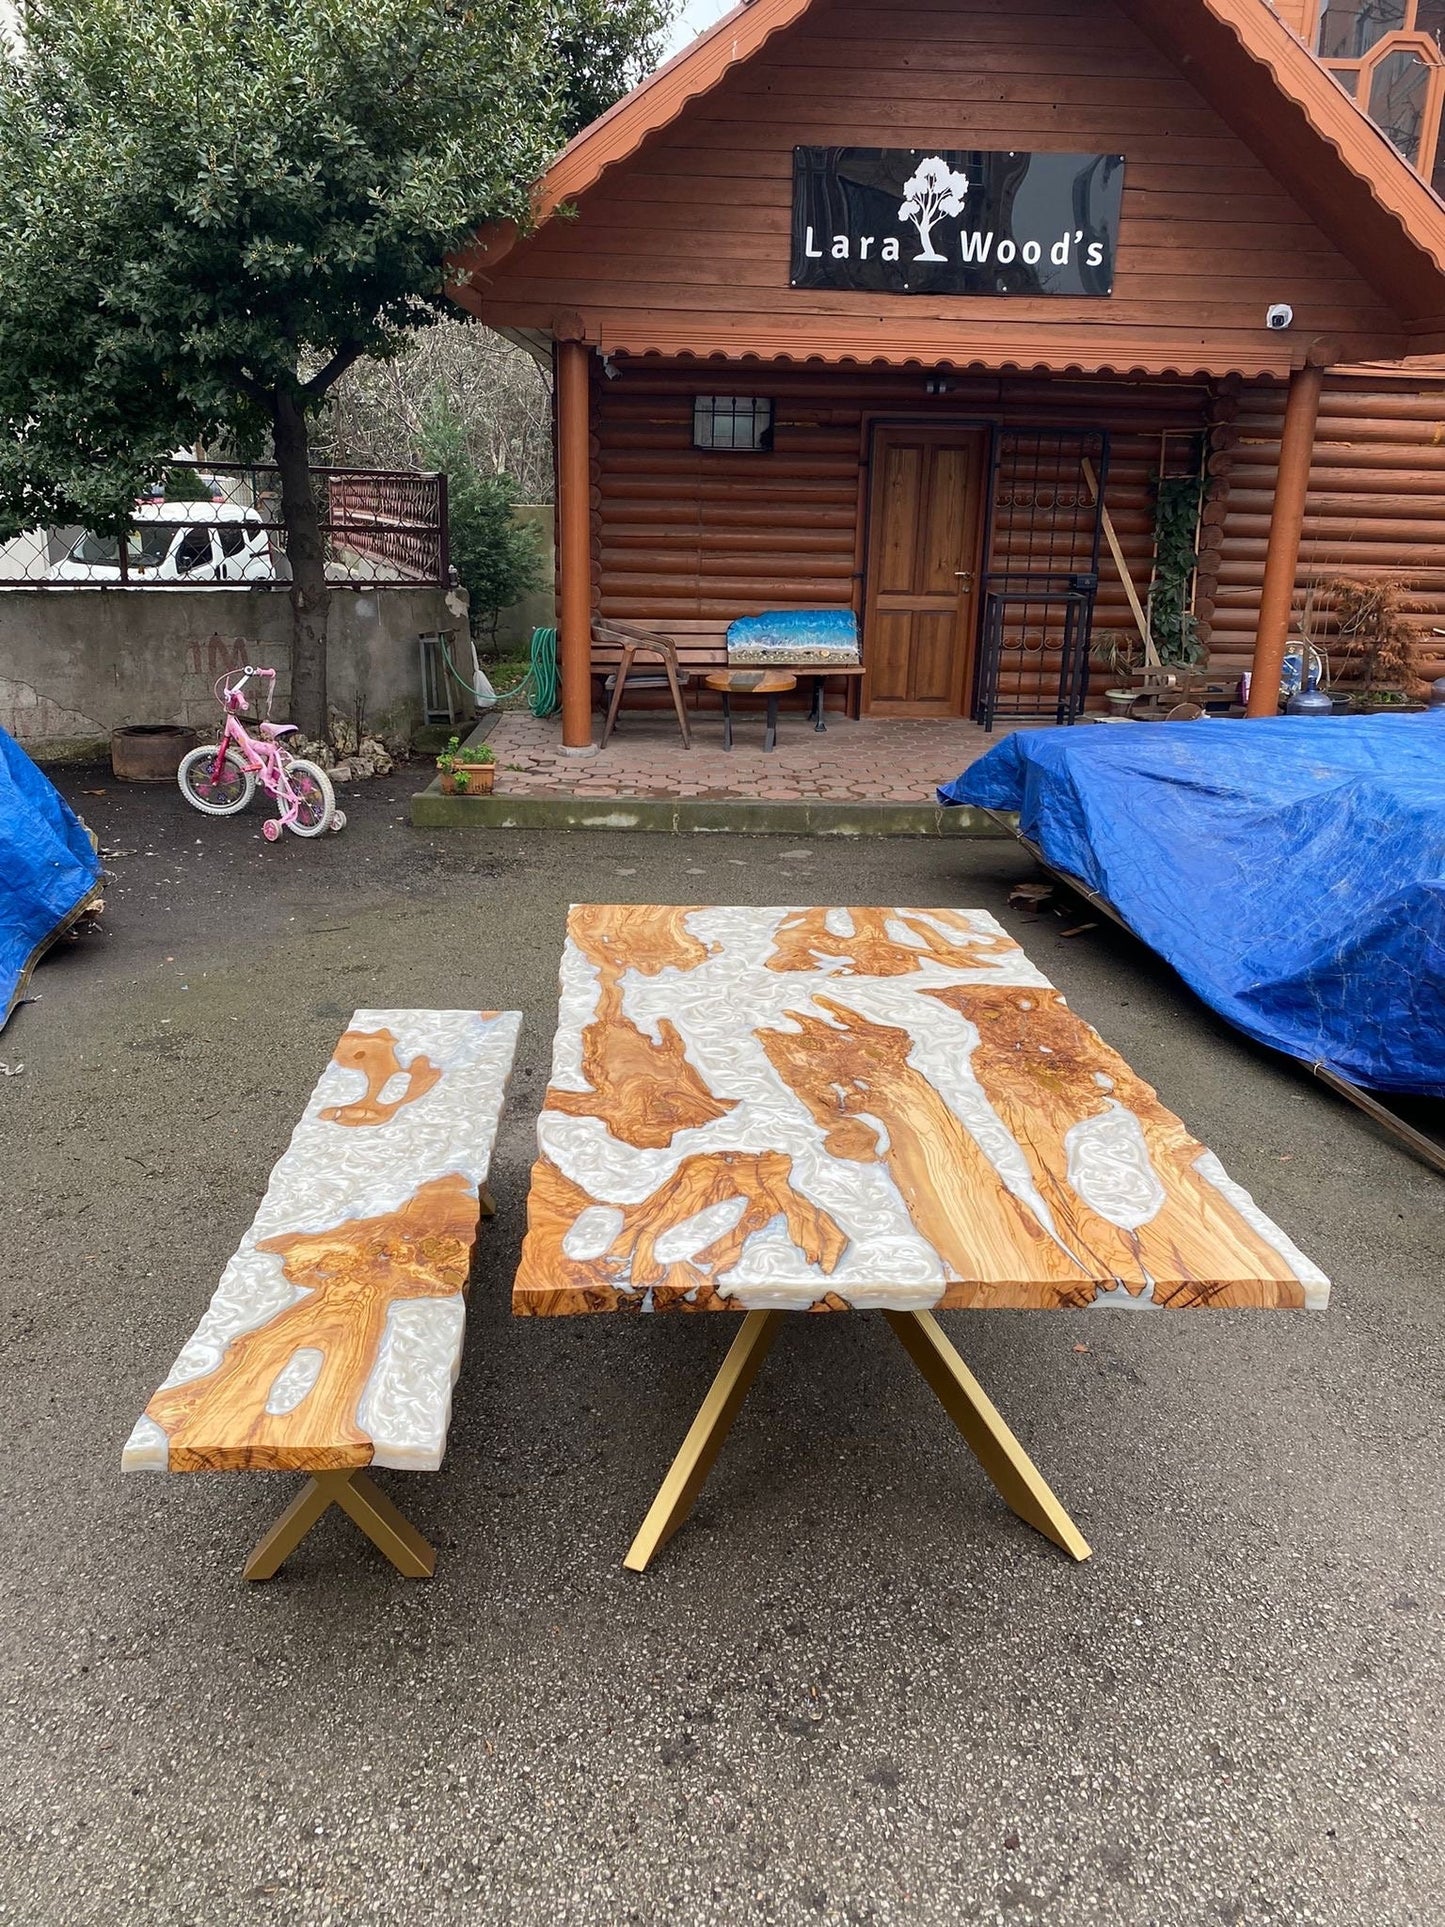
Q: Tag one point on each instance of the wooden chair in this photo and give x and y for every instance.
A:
(645, 642)
(335, 1334)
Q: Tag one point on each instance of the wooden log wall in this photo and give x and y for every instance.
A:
(683, 535)
(1376, 503)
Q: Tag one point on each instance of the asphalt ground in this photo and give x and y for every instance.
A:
(855, 1689)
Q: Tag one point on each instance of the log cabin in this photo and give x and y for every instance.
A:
(937, 311)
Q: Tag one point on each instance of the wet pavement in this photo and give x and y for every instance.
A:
(855, 1689)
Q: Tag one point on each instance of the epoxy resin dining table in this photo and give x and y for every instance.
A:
(788, 1110)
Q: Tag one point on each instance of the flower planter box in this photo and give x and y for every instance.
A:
(479, 778)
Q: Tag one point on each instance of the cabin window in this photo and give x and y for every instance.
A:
(1390, 56)
(1399, 96)
(1350, 28)
(732, 423)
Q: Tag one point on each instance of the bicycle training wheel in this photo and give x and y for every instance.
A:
(315, 798)
(215, 792)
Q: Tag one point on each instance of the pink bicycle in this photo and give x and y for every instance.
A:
(220, 779)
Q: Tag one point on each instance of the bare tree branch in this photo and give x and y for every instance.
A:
(374, 414)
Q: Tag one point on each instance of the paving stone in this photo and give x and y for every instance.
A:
(883, 760)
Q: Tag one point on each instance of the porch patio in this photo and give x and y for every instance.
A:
(887, 761)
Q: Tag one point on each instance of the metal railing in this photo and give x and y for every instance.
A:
(218, 525)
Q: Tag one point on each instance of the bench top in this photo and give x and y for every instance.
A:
(334, 1337)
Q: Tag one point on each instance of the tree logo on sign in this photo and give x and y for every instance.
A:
(934, 191)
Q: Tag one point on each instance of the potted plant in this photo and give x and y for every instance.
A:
(468, 771)
(1379, 641)
(1122, 656)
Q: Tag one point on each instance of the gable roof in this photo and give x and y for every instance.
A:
(1256, 73)
(618, 133)
(653, 104)
(1325, 149)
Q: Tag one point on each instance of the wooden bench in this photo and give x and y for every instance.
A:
(335, 1335)
(701, 648)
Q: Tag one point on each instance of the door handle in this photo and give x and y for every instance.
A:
(965, 576)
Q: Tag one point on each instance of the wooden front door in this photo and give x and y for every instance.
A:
(925, 542)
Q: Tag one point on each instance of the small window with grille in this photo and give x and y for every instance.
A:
(732, 423)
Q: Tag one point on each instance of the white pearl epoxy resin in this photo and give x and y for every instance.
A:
(377, 1187)
(1110, 1168)
(295, 1379)
(877, 1108)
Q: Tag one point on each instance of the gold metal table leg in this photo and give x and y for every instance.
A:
(679, 1490)
(1012, 1473)
(365, 1504)
(289, 1530)
(1014, 1476)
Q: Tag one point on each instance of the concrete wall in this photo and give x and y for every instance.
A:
(78, 663)
(538, 611)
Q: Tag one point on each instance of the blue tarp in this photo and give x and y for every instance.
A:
(48, 867)
(1292, 869)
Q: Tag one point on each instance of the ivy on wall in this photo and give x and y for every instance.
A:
(1172, 622)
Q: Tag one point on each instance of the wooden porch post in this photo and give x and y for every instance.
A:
(1286, 527)
(574, 541)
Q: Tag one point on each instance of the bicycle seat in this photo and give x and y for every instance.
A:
(272, 730)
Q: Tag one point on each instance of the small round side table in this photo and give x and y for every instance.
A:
(771, 683)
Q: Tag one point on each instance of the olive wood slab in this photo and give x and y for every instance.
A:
(335, 1335)
(800, 1109)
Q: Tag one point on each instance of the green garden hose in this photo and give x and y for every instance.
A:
(540, 679)
(546, 698)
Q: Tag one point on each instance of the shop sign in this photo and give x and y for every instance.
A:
(890, 220)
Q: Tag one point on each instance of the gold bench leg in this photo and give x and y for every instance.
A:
(363, 1503)
(678, 1492)
(1013, 1474)
(290, 1529)
(367, 1506)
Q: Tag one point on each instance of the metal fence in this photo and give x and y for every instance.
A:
(218, 525)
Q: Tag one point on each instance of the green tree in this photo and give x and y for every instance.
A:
(497, 558)
(210, 209)
(186, 485)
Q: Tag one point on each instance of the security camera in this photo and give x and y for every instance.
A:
(1281, 315)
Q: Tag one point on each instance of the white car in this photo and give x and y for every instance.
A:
(177, 542)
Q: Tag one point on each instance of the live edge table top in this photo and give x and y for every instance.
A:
(855, 1109)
